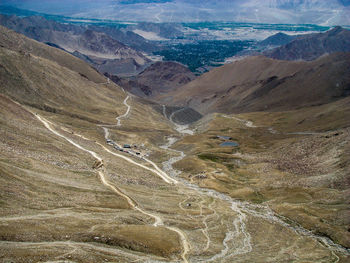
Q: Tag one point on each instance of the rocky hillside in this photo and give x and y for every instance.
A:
(158, 79)
(52, 104)
(126, 37)
(278, 39)
(312, 46)
(131, 86)
(69, 193)
(97, 48)
(164, 76)
(264, 84)
(53, 79)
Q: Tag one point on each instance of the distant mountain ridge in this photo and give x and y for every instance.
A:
(162, 77)
(283, 81)
(277, 40)
(97, 48)
(127, 37)
(302, 4)
(327, 12)
(312, 46)
(157, 79)
(264, 84)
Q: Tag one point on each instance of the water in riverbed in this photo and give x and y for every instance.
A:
(229, 144)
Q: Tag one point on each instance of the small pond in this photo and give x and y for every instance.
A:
(229, 144)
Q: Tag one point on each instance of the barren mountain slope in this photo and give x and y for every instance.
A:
(68, 195)
(99, 45)
(312, 46)
(100, 50)
(162, 76)
(277, 40)
(127, 37)
(159, 78)
(21, 44)
(260, 83)
(51, 145)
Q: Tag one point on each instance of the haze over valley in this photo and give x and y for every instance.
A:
(175, 131)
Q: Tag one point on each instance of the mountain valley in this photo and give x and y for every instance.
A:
(109, 155)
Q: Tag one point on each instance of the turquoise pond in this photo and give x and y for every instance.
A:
(229, 144)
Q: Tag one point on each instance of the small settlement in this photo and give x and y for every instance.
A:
(128, 148)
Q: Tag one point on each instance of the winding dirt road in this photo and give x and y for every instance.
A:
(239, 231)
(166, 178)
(157, 220)
(126, 113)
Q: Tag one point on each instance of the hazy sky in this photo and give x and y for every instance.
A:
(327, 12)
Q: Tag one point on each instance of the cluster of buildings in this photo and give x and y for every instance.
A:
(126, 148)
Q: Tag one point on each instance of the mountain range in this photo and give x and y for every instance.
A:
(96, 47)
(164, 78)
(50, 165)
(312, 46)
(260, 83)
(248, 162)
(333, 12)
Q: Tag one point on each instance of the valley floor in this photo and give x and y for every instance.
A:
(66, 195)
(90, 173)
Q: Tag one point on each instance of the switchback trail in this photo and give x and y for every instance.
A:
(157, 220)
(166, 178)
(240, 208)
(245, 208)
(126, 113)
(239, 230)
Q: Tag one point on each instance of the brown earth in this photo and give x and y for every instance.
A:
(263, 84)
(55, 206)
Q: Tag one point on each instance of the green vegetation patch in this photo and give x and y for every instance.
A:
(203, 53)
(230, 162)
